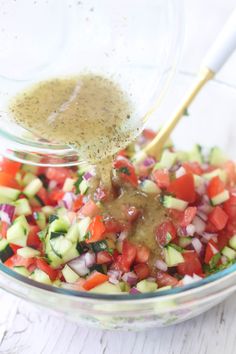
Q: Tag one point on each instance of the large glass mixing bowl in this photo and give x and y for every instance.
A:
(136, 43)
(211, 122)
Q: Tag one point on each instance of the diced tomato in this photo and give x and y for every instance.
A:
(113, 226)
(142, 270)
(223, 239)
(103, 257)
(210, 227)
(162, 178)
(176, 215)
(192, 167)
(132, 213)
(7, 180)
(4, 228)
(126, 259)
(230, 169)
(45, 267)
(90, 209)
(189, 215)
(94, 279)
(215, 186)
(191, 265)
(96, 229)
(165, 233)
(17, 260)
(58, 174)
(78, 203)
(9, 166)
(14, 247)
(142, 254)
(55, 196)
(165, 279)
(33, 240)
(218, 218)
(126, 171)
(183, 188)
(43, 195)
(149, 134)
(230, 207)
(211, 250)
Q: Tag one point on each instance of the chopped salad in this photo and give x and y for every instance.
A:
(60, 226)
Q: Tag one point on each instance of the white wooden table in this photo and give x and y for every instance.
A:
(27, 330)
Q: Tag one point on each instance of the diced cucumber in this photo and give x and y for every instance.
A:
(198, 180)
(106, 288)
(99, 246)
(28, 252)
(229, 253)
(168, 159)
(83, 227)
(73, 233)
(70, 254)
(124, 287)
(185, 241)
(21, 270)
(174, 203)
(5, 200)
(172, 256)
(164, 288)
(69, 274)
(68, 185)
(60, 245)
(59, 225)
(146, 286)
(181, 156)
(232, 242)
(5, 250)
(195, 155)
(217, 157)
(30, 168)
(220, 198)
(53, 259)
(9, 193)
(18, 231)
(84, 168)
(40, 219)
(40, 276)
(33, 187)
(28, 177)
(222, 174)
(149, 187)
(48, 210)
(22, 207)
(52, 217)
(83, 187)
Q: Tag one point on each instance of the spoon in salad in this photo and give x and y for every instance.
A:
(215, 58)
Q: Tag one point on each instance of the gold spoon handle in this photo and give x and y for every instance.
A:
(156, 145)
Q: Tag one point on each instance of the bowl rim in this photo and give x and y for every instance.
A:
(199, 285)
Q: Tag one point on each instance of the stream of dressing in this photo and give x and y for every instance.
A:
(89, 112)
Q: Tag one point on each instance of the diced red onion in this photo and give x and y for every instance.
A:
(197, 245)
(68, 200)
(187, 279)
(205, 199)
(180, 172)
(87, 176)
(202, 215)
(79, 265)
(199, 225)
(190, 229)
(201, 189)
(181, 231)
(130, 278)
(151, 279)
(205, 208)
(134, 291)
(149, 161)
(90, 259)
(114, 276)
(161, 265)
(7, 212)
(208, 236)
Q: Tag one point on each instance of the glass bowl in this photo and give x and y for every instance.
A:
(137, 44)
(211, 122)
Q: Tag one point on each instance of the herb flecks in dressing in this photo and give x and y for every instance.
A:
(89, 112)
